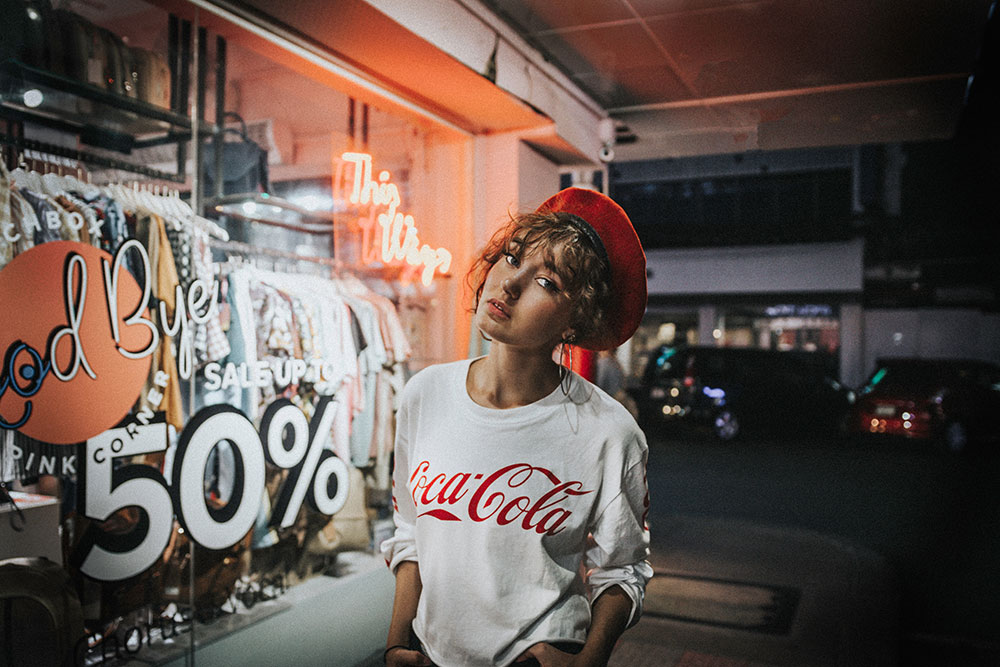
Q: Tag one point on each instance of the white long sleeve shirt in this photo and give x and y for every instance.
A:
(519, 518)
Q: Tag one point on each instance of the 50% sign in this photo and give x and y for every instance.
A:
(286, 440)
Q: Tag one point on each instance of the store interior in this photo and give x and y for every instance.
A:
(331, 224)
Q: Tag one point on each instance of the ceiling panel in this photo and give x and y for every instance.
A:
(607, 49)
(653, 8)
(774, 72)
(535, 16)
(839, 117)
(800, 44)
(634, 86)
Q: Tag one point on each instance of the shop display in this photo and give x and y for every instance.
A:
(203, 396)
(260, 418)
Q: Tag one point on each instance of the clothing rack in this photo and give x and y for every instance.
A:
(304, 228)
(309, 222)
(247, 249)
(88, 158)
(386, 272)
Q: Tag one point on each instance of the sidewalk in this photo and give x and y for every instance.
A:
(735, 594)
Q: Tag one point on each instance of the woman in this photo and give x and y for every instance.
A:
(519, 487)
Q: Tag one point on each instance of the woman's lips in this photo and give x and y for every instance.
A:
(498, 309)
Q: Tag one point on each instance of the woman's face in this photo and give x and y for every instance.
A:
(524, 303)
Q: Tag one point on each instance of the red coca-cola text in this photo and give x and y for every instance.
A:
(493, 496)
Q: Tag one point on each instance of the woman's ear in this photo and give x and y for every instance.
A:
(569, 336)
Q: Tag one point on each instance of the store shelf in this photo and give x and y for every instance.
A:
(99, 117)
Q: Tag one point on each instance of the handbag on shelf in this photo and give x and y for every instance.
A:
(244, 162)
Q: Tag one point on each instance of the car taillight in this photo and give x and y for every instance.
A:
(924, 410)
(908, 418)
(688, 380)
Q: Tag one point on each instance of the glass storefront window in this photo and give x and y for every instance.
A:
(210, 335)
(660, 327)
(785, 327)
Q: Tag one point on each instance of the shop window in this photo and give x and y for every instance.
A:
(656, 329)
(233, 316)
(813, 328)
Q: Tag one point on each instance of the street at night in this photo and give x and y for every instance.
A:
(330, 329)
(934, 518)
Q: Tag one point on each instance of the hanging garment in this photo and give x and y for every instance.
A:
(180, 247)
(87, 216)
(24, 219)
(8, 229)
(163, 280)
(47, 215)
(243, 335)
(211, 343)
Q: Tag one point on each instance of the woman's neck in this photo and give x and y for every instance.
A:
(508, 378)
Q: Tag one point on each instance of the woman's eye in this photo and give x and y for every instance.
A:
(548, 284)
(511, 259)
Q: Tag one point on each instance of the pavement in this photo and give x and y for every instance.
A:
(732, 593)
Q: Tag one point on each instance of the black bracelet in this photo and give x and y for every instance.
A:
(385, 653)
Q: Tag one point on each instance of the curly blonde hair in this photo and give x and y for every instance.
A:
(584, 273)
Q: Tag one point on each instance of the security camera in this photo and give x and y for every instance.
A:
(606, 154)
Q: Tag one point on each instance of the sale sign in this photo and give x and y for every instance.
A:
(287, 440)
(77, 341)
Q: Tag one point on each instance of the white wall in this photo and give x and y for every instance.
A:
(930, 333)
(494, 183)
(537, 178)
(814, 267)
(508, 177)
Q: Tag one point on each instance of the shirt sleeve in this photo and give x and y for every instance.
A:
(617, 552)
(402, 545)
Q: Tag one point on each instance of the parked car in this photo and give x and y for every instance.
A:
(954, 402)
(732, 391)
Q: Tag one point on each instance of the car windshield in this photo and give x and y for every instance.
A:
(918, 376)
(669, 364)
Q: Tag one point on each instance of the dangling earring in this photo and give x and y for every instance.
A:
(565, 373)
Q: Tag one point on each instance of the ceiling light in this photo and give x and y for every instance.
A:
(33, 98)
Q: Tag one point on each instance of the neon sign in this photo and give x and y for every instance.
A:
(390, 235)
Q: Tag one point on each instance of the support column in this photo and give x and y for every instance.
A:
(707, 315)
(852, 352)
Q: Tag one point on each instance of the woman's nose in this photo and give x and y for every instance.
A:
(508, 288)
(512, 286)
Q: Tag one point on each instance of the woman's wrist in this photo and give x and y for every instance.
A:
(393, 647)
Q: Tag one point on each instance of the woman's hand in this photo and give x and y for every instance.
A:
(401, 657)
(548, 655)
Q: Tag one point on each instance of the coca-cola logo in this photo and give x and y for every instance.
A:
(503, 496)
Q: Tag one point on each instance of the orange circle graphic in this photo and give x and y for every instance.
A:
(42, 310)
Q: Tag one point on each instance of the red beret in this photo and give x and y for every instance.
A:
(625, 256)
